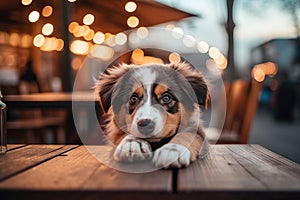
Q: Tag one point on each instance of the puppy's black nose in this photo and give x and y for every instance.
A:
(145, 126)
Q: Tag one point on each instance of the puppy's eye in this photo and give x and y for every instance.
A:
(166, 98)
(134, 98)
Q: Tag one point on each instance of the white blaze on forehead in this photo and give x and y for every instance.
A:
(146, 76)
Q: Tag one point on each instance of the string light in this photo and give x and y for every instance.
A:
(34, 16)
(38, 40)
(121, 38)
(26, 2)
(142, 32)
(47, 11)
(130, 6)
(133, 21)
(99, 38)
(88, 19)
(47, 29)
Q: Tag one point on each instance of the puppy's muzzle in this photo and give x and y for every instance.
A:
(146, 126)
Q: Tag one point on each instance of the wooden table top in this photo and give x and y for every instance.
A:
(49, 99)
(71, 172)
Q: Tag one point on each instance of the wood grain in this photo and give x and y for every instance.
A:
(20, 159)
(78, 169)
(240, 172)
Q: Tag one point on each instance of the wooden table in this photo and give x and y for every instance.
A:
(81, 101)
(71, 172)
(49, 100)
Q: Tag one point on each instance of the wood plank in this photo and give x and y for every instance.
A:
(272, 171)
(238, 172)
(20, 159)
(11, 147)
(78, 170)
(218, 171)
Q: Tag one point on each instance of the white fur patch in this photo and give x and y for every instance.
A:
(132, 149)
(146, 75)
(147, 111)
(171, 155)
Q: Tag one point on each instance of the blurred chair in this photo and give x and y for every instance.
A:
(35, 125)
(242, 101)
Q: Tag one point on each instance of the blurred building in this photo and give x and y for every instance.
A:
(282, 51)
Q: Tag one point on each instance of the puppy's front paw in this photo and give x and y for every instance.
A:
(132, 149)
(171, 156)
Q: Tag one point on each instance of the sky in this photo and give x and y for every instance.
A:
(251, 29)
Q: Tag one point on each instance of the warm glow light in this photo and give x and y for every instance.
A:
(99, 38)
(174, 58)
(202, 47)
(38, 40)
(84, 30)
(47, 11)
(60, 45)
(214, 52)
(258, 74)
(26, 41)
(49, 44)
(110, 39)
(269, 68)
(177, 33)
(130, 6)
(47, 29)
(137, 56)
(71, 1)
(121, 38)
(188, 41)
(14, 39)
(34, 16)
(142, 32)
(26, 2)
(76, 63)
(90, 35)
(132, 21)
(88, 19)
(151, 60)
(72, 26)
(221, 61)
(79, 47)
(103, 52)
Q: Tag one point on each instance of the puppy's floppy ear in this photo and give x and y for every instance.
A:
(107, 83)
(196, 81)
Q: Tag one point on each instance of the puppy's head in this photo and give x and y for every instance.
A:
(150, 101)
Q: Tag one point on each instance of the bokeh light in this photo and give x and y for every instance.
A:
(72, 26)
(33, 16)
(26, 2)
(142, 32)
(188, 41)
(47, 29)
(133, 22)
(174, 58)
(99, 38)
(130, 6)
(79, 47)
(121, 38)
(47, 11)
(38, 40)
(88, 19)
(177, 33)
(202, 47)
(103, 52)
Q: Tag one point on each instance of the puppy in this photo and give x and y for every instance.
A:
(154, 112)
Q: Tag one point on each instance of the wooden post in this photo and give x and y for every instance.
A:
(67, 72)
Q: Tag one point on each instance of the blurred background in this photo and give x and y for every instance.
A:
(43, 45)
